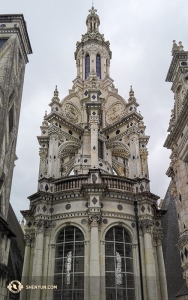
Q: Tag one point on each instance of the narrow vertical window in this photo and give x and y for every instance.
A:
(69, 265)
(98, 66)
(11, 118)
(119, 265)
(100, 149)
(87, 66)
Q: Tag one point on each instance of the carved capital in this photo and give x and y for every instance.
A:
(43, 226)
(146, 226)
(27, 238)
(94, 219)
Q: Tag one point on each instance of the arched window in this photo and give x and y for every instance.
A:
(119, 265)
(69, 265)
(87, 66)
(98, 66)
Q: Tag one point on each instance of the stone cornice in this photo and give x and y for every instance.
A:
(179, 126)
(123, 120)
(54, 115)
(180, 55)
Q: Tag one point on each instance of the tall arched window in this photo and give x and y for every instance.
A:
(98, 66)
(119, 265)
(69, 265)
(87, 66)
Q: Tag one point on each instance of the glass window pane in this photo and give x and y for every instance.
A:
(110, 279)
(109, 249)
(58, 266)
(111, 294)
(79, 249)
(119, 234)
(109, 235)
(109, 264)
(129, 265)
(128, 250)
(69, 234)
(59, 251)
(130, 280)
(78, 264)
(119, 248)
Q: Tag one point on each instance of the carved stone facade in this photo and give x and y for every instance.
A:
(14, 48)
(105, 203)
(177, 141)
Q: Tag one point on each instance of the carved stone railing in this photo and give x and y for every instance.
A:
(108, 181)
(70, 183)
(117, 182)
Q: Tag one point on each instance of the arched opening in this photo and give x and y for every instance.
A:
(119, 271)
(87, 66)
(69, 264)
(98, 66)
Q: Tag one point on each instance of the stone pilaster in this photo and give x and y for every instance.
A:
(38, 260)
(46, 257)
(94, 220)
(161, 267)
(146, 226)
(26, 266)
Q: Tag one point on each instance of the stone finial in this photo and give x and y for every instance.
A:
(180, 46)
(131, 95)
(176, 47)
(56, 93)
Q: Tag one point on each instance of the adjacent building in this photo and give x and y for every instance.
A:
(93, 228)
(14, 50)
(177, 141)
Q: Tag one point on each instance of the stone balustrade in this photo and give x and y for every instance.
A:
(109, 181)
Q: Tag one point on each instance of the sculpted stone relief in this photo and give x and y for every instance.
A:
(72, 113)
(115, 112)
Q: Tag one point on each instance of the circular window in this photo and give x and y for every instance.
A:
(70, 132)
(118, 131)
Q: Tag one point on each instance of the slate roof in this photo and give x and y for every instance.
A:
(175, 280)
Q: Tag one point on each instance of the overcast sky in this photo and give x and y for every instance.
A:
(140, 34)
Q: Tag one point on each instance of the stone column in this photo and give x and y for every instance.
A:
(162, 273)
(151, 280)
(46, 257)
(25, 272)
(94, 273)
(50, 278)
(38, 260)
(143, 263)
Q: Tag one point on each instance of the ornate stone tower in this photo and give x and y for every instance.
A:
(177, 141)
(14, 48)
(95, 234)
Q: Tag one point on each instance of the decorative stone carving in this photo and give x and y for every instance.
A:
(115, 112)
(43, 226)
(71, 112)
(146, 226)
(94, 219)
